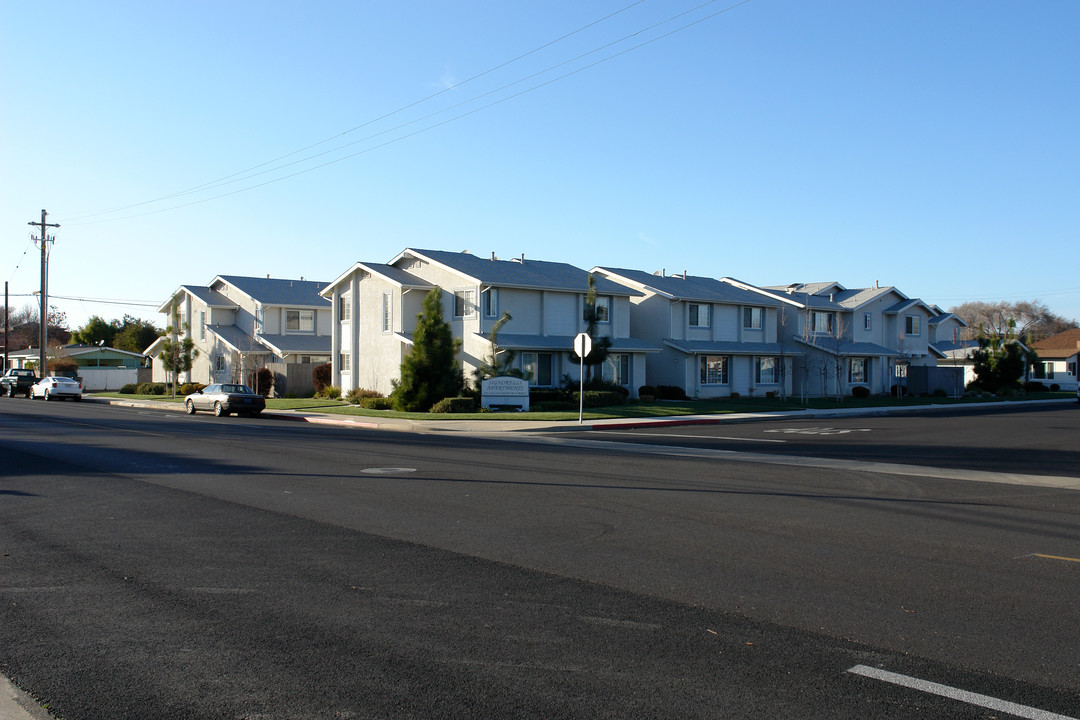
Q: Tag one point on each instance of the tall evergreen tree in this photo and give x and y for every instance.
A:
(1000, 361)
(600, 345)
(430, 372)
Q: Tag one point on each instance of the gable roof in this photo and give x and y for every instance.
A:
(526, 274)
(1064, 344)
(210, 298)
(391, 273)
(689, 287)
(275, 291)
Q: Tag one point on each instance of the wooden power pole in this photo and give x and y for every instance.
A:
(44, 240)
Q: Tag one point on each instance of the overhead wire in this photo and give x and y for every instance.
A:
(435, 125)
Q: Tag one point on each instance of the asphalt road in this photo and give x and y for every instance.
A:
(154, 565)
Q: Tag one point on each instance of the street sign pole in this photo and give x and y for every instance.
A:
(582, 346)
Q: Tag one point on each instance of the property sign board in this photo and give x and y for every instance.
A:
(505, 392)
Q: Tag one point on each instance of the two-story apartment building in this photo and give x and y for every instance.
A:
(240, 324)
(716, 337)
(853, 337)
(376, 306)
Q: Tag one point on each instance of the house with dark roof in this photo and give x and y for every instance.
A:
(717, 338)
(858, 337)
(1058, 357)
(239, 324)
(376, 305)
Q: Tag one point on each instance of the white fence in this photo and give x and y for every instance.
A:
(100, 379)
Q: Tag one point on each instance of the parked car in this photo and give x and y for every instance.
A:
(224, 399)
(18, 381)
(56, 387)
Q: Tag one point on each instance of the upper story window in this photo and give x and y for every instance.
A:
(491, 302)
(300, 320)
(202, 326)
(387, 311)
(867, 321)
(821, 322)
(464, 303)
(751, 318)
(603, 309)
(700, 315)
(911, 325)
(345, 314)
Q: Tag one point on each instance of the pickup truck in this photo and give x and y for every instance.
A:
(17, 381)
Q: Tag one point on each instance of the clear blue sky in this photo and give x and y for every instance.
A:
(929, 144)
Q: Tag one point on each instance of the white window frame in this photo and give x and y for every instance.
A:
(864, 367)
(491, 302)
(753, 318)
(760, 377)
(705, 372)
(387, 312)
(616, 369)
(202, 325)
(912, 326)
(867, 321)
(303, 317)
(346, 308)
(699, 315)
(603, 309)
(828, 316)
(345, 361)
(530, 365)
(465, 303)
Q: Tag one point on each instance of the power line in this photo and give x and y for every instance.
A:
(435, 125)
(214, 183)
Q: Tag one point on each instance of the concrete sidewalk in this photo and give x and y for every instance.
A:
(487, 427)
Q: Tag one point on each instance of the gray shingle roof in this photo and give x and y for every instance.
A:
(275, 291)
(847, 347)
(693, 287)
(566, 343)
(236, 338)
(297, 344)
(211, 298)
(730, 347)
(532, 274)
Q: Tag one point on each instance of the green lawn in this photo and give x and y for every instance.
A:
(630, 410)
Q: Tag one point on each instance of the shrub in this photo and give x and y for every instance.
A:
(188, 388)
(898, 390)
(552, 406)
(1054, 387)
(735, 396)
(454, 405)
(129, 389)
(356, 394)
(671, 392)
(262, 381)
(331, 392)
(1034, 386)
(860, 391)
(375, 403)
(150, 388)
(939, 392)
(62, 366)
(647, 390)
(600, 398)
(543, 395)
(770, 393)
(320, 377)
(646, 398)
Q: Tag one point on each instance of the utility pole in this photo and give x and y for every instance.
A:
(44, 240)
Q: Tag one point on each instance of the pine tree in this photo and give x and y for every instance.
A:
(600, 346)
(430, 372)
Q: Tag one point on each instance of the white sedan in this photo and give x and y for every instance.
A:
(57, 387)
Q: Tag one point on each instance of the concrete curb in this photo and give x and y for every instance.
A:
(533, 426)
(17, 705)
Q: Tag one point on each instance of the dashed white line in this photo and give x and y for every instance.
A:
(971, 698)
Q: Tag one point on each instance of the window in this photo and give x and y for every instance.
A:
(220, 363)
(867, 321)
(464, 303)
(714, 370)
(603, 310)
(537, 366)
(387, 312)
(956, 335)
(1070, 369)
(911, 324)
(346, 362)
(616, 369)
(901, 370)
(751, 318)
(346, 309)
(767, 371)
(857, 370)
(202, 326)
(700, 315)
(491, 302)
(821, 322)
(1043, 371)
(300, 320)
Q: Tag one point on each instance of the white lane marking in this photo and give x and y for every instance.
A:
(696, 437)
(387, 470)
(924, 471)
(817, 431)
(956, 694)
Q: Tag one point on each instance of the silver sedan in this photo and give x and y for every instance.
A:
(56, 387)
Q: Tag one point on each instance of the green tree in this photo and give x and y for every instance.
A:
(177, 354)
(135, 335)
(95, 331)
(500, 361)
(1000, 360)
(600, 346)
(430, 372)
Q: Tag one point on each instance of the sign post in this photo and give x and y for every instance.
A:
(582, 346)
